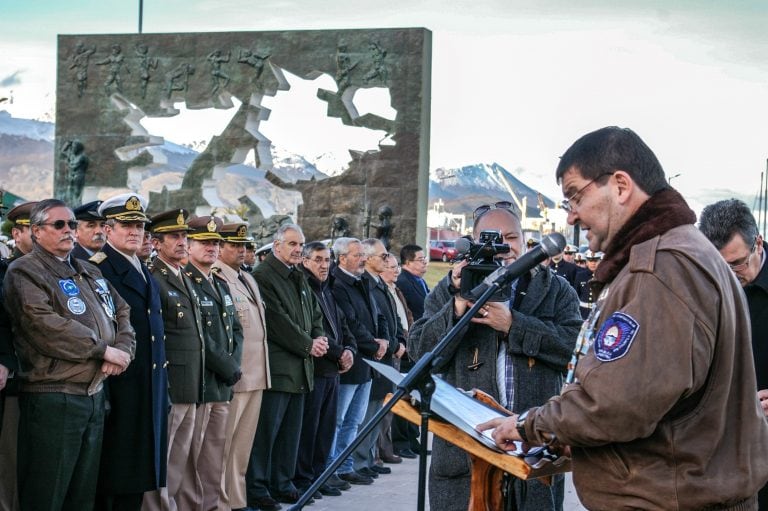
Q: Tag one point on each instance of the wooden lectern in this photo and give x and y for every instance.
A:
(488, 466)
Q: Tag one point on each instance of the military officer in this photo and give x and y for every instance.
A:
(245, 407)
(134, 453)
(185, 350)
(90, 235)
(223, 352)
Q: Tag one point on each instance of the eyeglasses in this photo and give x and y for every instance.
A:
(59, 224)
(573, 201)
(420, 259)
(481, 210)
(382, 256)
(743, 266)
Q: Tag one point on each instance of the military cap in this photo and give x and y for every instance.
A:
(170, 221)
(20, 214)
(236, 233)
(126, 207)
(570, 249)
(593, 256)
(205, 228)
(88, 211)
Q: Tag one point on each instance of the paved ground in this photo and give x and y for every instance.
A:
(399, 491)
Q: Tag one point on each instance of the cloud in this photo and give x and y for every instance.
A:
(11, 80)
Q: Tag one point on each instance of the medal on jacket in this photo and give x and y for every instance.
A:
(106, 298)
(585, 339)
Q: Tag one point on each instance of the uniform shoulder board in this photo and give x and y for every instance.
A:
(98, 258)
(215, 270)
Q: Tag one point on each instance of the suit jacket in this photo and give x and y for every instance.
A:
(337, 331)
(293, 321)
(250, 311)
(223, 334)
(184, 340)
(414, 292)
(394, 333)
(135, 431)
(364, 319)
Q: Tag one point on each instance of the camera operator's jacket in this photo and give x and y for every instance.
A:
(541, 340)
(667, 417)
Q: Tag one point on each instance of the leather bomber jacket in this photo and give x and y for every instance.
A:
(64, 317)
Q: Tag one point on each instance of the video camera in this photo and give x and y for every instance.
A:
(482, 262)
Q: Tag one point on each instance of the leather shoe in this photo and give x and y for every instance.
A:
(291, 497)
(381, 470)
(335, 482)
(330, 491)
(355, 478)
(264, 503)
(367, 472)
(407, 453)
(391, 459)
(317, 495)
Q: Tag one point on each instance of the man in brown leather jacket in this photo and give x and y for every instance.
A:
(72, 331)
(662, 413)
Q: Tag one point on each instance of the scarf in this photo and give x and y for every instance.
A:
(664, 210)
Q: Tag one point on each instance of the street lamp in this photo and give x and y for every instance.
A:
(670, 178)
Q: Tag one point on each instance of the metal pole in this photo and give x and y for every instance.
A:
(141, 14)
(765, 198)
(760, 202)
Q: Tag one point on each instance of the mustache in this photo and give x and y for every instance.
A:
(67, 237)
(98, 237)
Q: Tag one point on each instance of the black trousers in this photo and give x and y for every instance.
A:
(318, 430)
(59, 450)
(275, 445)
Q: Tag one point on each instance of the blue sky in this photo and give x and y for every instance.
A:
(514, 81)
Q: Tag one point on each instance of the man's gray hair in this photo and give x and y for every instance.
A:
(720, 221)
(312, 247)
(280, 234)
(369, 246)
(341, 246)
(39, 213)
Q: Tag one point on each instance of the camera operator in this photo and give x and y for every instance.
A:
(516, 350)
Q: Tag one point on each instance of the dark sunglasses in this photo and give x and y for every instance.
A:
(481, 210)
(59, 224)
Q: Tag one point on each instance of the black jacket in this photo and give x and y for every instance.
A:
(394, 333)
(757, 298)
(364, 320)
(414, 292)
(135, 431)
(337, 331)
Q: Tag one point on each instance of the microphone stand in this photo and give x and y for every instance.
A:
(418, 377)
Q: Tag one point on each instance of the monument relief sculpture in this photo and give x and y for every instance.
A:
(146, 65)
(254, 60)
(160, 71)
(73, 154)
(115, 62)
(79, 61)
(178, 78)
(215, 58)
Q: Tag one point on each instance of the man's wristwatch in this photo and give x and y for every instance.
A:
(520, 425)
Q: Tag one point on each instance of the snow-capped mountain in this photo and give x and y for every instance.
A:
(28, 128)
(463, 189)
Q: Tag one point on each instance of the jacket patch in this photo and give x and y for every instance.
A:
(69, 287)
(76, 305)
(615, 337)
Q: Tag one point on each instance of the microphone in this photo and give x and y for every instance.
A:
(462, 246)
(550, 245)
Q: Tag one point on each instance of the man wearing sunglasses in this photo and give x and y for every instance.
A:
(516, 351)
(72, 333)
(662, 411)
(731, 227)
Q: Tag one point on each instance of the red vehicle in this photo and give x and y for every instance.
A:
(442, 251)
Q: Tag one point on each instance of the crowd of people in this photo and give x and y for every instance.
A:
(148, 363)
(145, 363)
